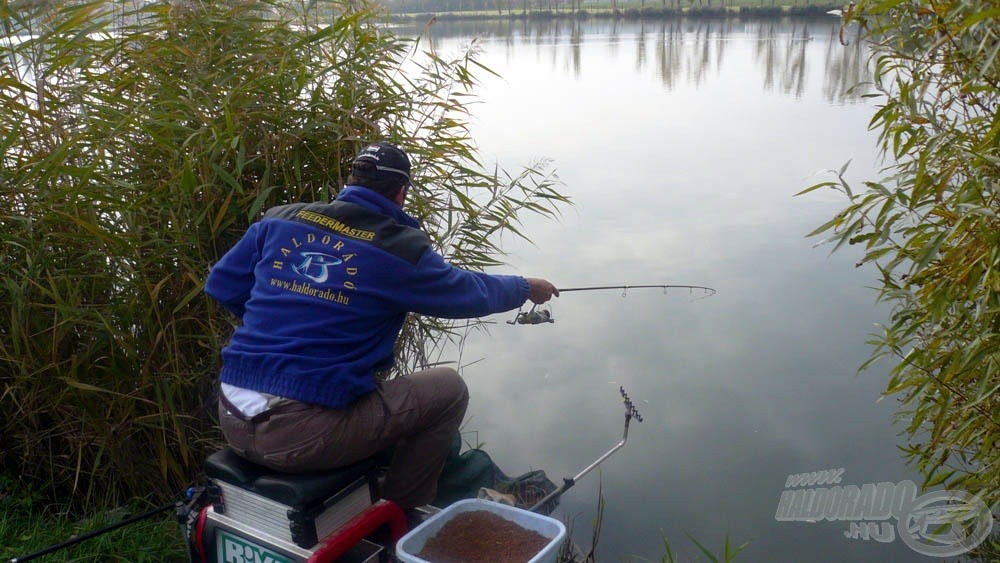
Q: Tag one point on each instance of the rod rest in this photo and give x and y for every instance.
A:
(291, 489)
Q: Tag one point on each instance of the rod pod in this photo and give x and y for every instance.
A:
(568, 482)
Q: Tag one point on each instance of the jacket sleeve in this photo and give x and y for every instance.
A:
(231, 279)
(439, 289)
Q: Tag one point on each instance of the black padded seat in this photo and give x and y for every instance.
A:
(298, 490)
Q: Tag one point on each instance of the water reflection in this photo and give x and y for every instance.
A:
(771, 56)
(688, 50)
(848, 74)
(682, 143)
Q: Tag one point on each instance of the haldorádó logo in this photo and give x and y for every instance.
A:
(945, 523)
(940, 523)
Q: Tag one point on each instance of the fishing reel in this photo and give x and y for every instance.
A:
(533, 316)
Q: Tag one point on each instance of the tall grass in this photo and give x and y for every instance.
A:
(137, 143)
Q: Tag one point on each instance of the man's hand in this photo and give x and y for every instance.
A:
(540, 291)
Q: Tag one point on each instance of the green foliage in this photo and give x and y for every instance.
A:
(137, 143)
(931, 227)
(989, 550)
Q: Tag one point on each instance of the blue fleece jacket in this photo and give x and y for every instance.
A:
(323, 290)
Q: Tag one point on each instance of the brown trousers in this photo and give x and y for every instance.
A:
(418, 414)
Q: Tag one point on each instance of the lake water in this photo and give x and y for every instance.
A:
(683, 144)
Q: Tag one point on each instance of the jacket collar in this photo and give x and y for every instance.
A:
(374, 201)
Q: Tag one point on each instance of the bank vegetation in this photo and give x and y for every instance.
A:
(137, 143)
(931, 227)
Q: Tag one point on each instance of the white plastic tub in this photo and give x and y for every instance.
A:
(413, 542)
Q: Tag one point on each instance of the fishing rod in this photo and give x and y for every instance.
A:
(93, 534)
(183, 509)
(709, 290)
(535, 316)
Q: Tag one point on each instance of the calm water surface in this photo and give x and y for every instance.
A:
(683, 143)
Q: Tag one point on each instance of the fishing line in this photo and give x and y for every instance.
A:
(535, 316)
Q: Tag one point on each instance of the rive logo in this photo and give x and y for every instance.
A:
(234, 549)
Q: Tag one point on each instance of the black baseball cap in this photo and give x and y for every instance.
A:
(386, 157)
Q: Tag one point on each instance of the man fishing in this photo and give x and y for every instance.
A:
(322, 290)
